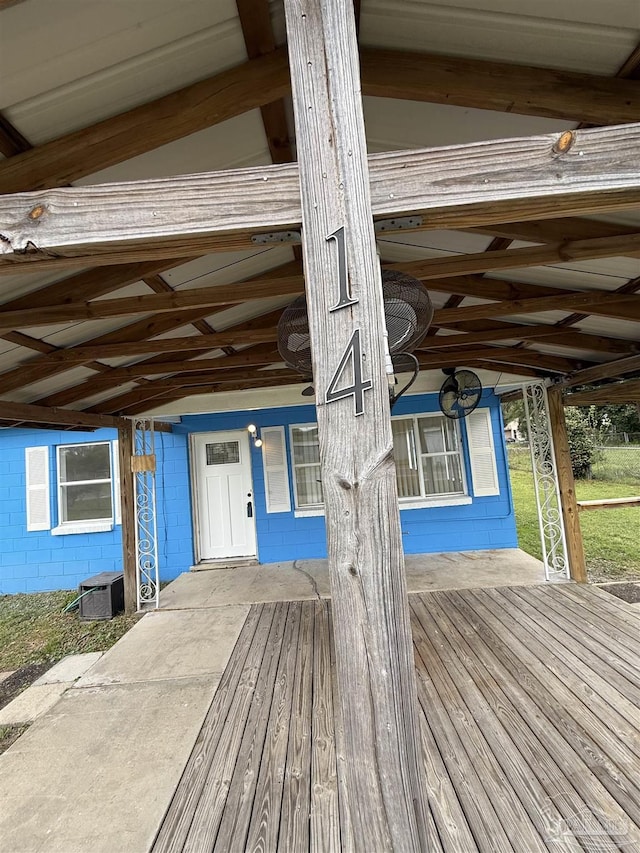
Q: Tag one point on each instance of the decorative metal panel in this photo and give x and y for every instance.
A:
(148, 585)
(552, 533)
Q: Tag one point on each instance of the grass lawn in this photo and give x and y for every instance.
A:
(611, 536)
(33, 629)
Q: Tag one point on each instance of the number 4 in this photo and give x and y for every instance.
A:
(353, 354)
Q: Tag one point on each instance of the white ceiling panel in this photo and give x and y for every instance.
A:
(511, 34)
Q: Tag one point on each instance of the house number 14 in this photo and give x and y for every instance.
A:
(353, 352)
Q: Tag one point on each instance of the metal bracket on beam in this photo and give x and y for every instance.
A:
(276, 237)
(398, 223)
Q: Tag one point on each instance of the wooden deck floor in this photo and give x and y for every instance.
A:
(530, 729)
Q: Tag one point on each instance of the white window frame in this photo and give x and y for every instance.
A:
(419, 501)
(310, 509)
(93, 525)
(442, 498)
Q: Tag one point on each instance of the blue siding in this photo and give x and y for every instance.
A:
(32, 561)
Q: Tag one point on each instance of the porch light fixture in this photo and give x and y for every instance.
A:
(252, 429)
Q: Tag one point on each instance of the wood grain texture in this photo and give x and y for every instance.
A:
(522, 179)
(566, 486)
(127, 498)
(499, 86)
(530, 735)
(374, 664)
(10, 411)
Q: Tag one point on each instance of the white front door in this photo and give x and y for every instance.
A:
(224, 495)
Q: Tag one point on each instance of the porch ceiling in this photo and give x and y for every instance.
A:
(434, 73)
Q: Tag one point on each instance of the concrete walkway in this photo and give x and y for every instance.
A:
(95, 772)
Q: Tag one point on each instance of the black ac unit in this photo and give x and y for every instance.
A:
(102, 596)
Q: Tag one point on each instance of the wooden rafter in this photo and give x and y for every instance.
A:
(617, 392)
(610, 370)
(265, 79)
(17, 412)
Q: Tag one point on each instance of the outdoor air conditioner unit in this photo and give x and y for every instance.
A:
(102, 596)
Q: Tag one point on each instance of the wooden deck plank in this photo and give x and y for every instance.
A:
(264, 825)
(236, 815)
(448, 820)
(296, 794)
(567, 729)
(470, 777)
(325, 814)
(594, 623)
(559, 653)
(246, 654)
(529, 733)
(599, 601)
(594, 653)
(501, 778)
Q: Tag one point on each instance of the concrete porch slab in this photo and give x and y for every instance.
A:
(97, 772)
(170, 645)
(306, 579)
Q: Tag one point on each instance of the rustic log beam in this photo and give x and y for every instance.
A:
(535, 177)
(566, 484)
(385, 791)
(259, 39)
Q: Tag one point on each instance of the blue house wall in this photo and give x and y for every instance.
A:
(38, 560)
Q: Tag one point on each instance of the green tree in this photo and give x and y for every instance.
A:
(581, 442)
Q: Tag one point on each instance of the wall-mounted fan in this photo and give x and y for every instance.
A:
(460, 394)
(407, 309)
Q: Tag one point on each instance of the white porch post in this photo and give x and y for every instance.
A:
(385, 785)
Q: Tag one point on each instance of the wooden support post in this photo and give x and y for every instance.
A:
(128, 513)
(382, 766)
(568, 502)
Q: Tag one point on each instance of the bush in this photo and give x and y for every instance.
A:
(581, 442)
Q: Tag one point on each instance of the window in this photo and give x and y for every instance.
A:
(85, 483)
(428, 459)
(306, 466)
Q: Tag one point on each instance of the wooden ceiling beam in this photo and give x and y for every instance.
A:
(202, 343)
(499, 86)
(258, 355)
(554, 230)
(259, 39)
(16, 412)
(265, 79)
(455, 267)
(499, 355)
(603, 304)
(529, 178)
(609, 370)
(505, 332)
(616, 392)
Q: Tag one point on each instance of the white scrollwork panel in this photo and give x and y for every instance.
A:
(148, 585)
(547, 490)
